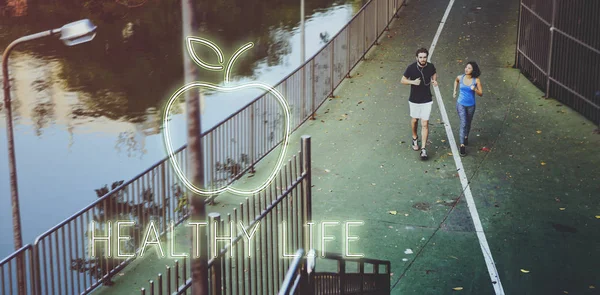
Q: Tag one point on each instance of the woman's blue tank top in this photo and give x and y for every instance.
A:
(466, 96)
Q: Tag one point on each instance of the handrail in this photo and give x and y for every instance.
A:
(14, 254)
(292, 275)
(340, 257)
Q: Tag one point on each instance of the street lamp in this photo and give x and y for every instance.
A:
(71, 34)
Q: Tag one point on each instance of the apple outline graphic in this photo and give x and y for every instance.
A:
(166, 134)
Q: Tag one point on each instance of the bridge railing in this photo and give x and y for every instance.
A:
(275, 220)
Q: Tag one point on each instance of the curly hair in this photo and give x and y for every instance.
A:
(476, 71)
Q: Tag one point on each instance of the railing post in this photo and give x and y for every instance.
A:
(387, 15)
(364, 21)
(348, 31)
(342, 274)
(361, 271)
(550, 52)
(516, 65)
(252, 139)
(376, 21)
(169, 281)
(387, 271)
(160, 284)
(35, 257)
(164, 190)
(331, 64)
(215, 269)
(303, 93)
(307, 212)
(32, 265)
(306, 159)
(312, 92)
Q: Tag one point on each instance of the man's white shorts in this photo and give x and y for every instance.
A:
(420, 110)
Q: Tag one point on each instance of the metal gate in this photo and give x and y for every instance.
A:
(558, 49)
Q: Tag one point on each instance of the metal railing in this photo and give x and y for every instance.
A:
(296, 279)
(303, 278)
(232, 148)
(558, 48)
(174, 277)
(256, 265)
(9, 273)
(360, 281)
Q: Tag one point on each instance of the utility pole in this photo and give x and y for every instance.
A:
(199, 263)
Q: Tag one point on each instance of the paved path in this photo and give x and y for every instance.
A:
(535, 187)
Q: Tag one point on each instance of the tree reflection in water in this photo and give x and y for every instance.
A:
(137, 50)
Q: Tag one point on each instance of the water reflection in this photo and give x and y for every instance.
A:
(89, 115)
(14, 8)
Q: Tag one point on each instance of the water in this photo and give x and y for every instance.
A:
(87, 116)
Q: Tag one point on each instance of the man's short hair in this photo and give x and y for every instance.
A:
(422, 50)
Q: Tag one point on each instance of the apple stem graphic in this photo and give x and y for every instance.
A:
(234, 58)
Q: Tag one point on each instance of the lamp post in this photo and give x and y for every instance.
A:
(71, 34)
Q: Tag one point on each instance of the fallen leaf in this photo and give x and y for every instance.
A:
(592, 287)
(359, 102)
(443, 140)
(393, 212)
(539, 131)
(457, 288)
(597, 216)
(562, 209)
(543, 163)
(449, 154)
(524, 271)
(565, 292)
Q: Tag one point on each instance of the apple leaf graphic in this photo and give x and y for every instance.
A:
(196, 40)
(190, 41)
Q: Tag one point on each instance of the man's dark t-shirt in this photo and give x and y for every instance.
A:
(420, 93)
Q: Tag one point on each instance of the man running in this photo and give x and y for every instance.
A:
(420, 75)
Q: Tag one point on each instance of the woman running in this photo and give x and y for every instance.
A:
(465, 104)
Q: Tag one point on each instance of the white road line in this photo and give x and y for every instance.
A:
(485, 248)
